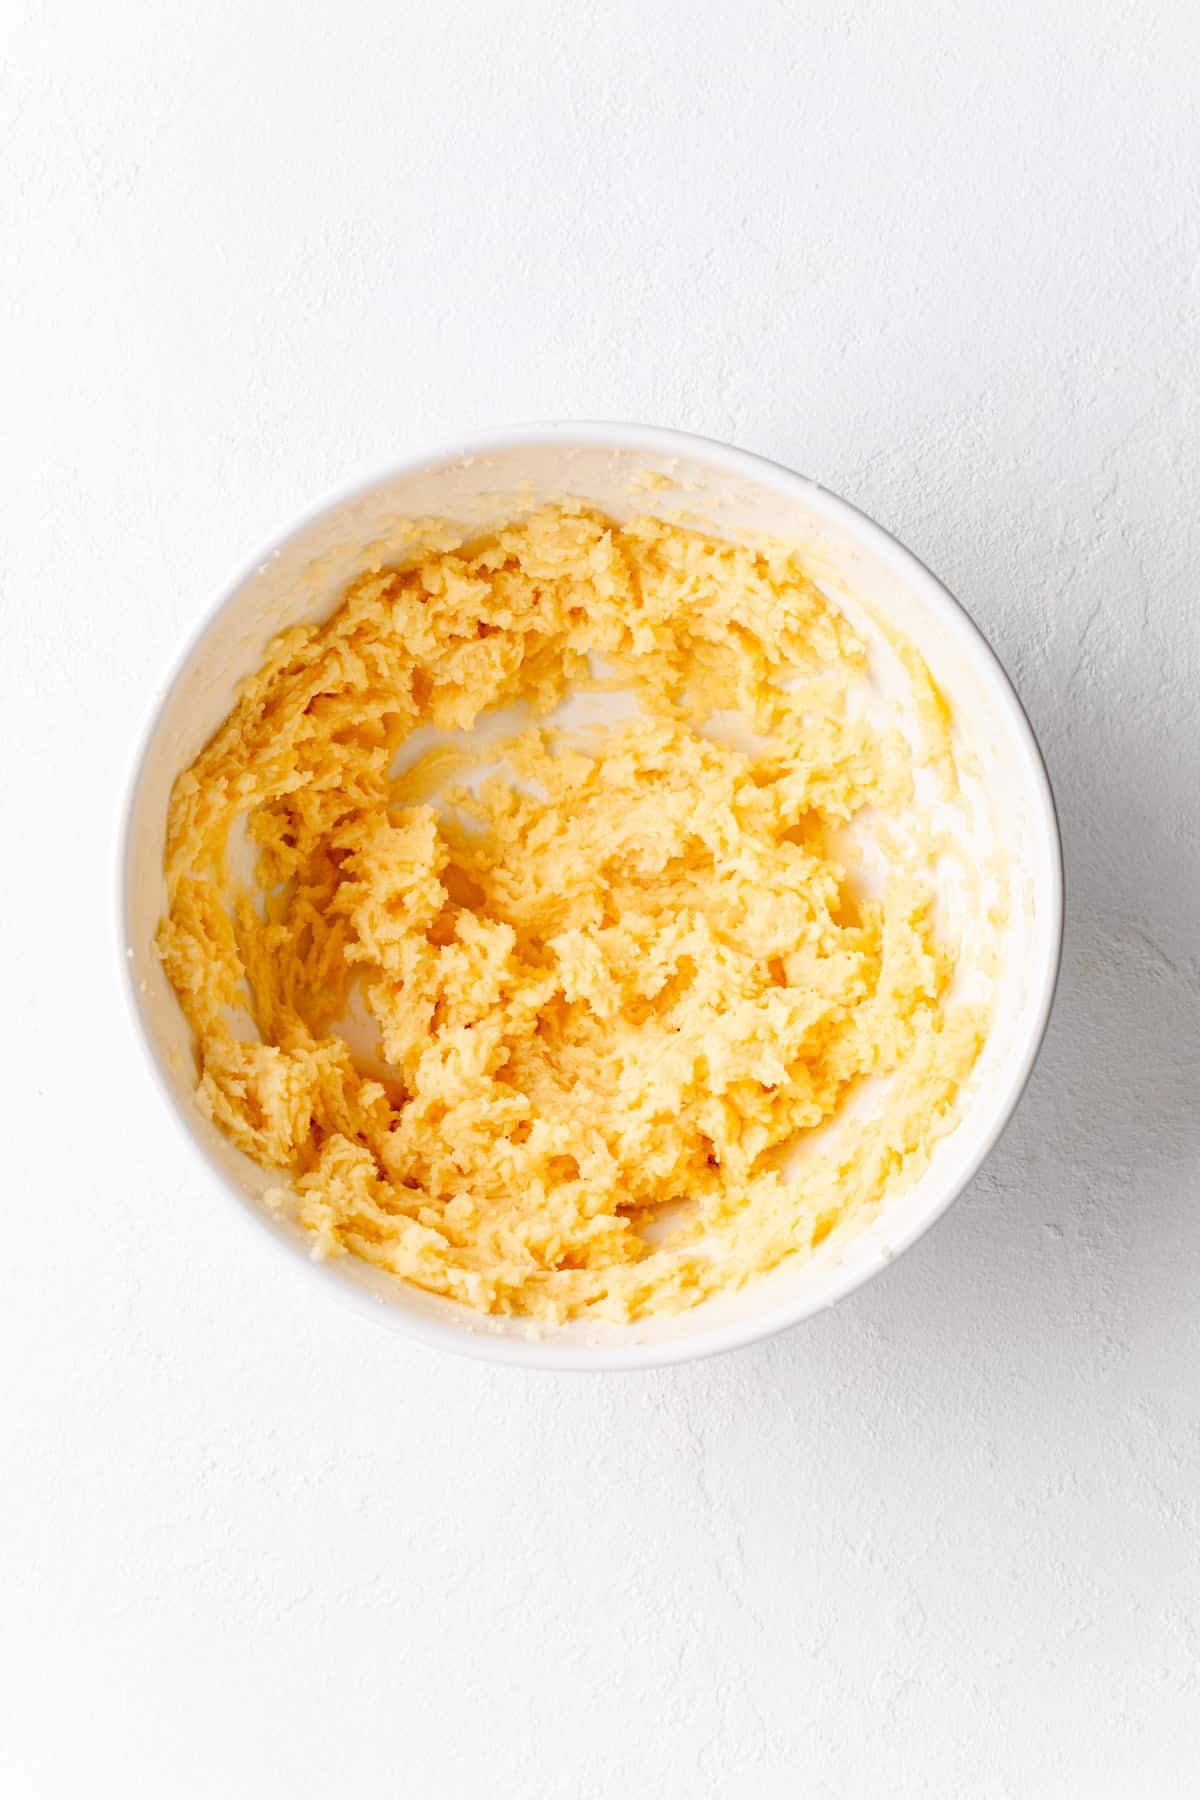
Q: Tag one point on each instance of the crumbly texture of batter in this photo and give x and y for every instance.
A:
(617, 987)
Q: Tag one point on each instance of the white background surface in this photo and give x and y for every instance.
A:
(945, 1541)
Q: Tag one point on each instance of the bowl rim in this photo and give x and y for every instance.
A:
(543, 1352)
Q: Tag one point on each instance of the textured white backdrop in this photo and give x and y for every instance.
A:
(945, 1541)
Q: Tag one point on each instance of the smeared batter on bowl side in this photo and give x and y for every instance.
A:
(615, 986)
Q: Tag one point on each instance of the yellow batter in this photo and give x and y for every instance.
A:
(615, 988)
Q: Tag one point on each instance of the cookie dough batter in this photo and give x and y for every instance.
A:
(618, 983)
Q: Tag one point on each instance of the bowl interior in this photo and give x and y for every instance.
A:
(739, 497)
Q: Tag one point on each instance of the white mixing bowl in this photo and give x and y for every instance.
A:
(478, 482)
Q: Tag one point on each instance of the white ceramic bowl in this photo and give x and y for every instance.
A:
(301, 576)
